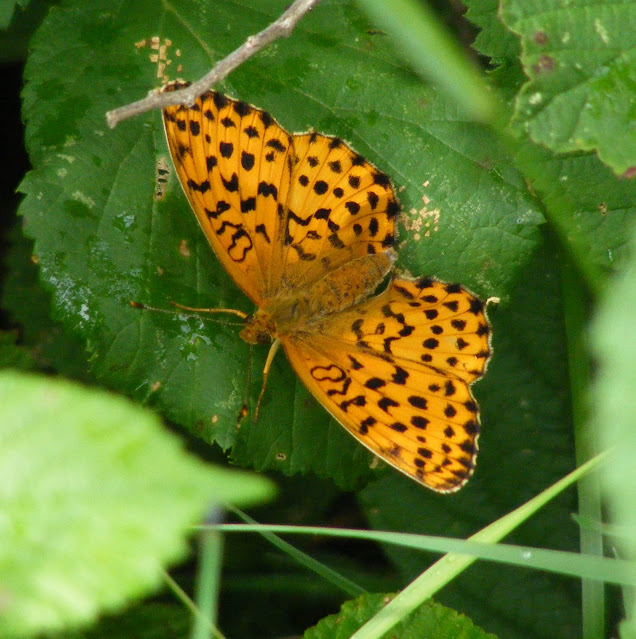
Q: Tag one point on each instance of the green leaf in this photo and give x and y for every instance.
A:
(96, 499)
(583, 201)
(580, 59)
(469, 215)
(614, 402)
(431, 620)
(18, 21)
(493, 39)
(420, 36)
(149, 620)
(587, 206)
(49, 345)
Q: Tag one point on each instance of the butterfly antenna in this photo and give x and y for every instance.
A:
(268, 364)
(231, 311)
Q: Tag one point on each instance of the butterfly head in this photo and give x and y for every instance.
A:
(260, 328)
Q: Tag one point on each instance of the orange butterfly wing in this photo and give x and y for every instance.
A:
(233, 162)
(396, 370)
(339, 208)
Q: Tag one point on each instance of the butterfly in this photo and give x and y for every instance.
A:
(306, 227)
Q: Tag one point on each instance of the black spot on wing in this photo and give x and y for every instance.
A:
(386, 402)
(232, 184)
(276, 144)
(248, 205)
(226, 149)
(320, 187)
(247, 160)
(266, 119)
(220, 100)
(374, 383)
(381, 179)
(242, 108)
(302, 254)
(266, 189)
(201, 187)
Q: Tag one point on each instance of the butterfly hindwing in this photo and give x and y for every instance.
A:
(396, 370)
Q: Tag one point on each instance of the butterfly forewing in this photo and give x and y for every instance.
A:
(233, 162)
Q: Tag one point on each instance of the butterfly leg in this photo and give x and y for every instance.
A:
(268, 364)
(245, 408)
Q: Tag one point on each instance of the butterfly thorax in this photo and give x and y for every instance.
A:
(283, 314)
(296, 310)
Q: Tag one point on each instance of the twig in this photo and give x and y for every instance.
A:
(281, 28)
